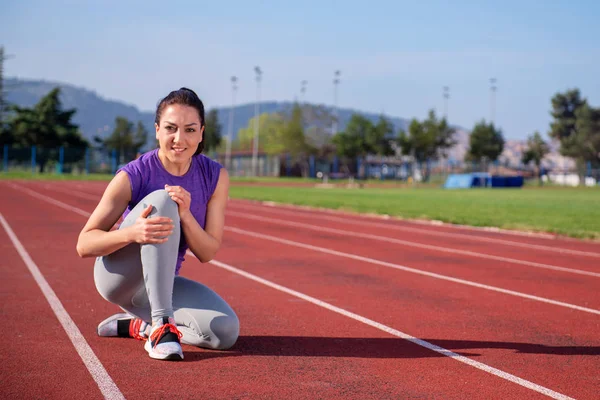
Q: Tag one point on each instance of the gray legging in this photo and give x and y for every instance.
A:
(141, 280)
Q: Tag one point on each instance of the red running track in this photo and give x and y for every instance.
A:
(522, 329)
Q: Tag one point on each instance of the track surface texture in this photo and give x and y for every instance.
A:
(331, 305)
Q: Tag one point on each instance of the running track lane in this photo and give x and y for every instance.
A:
(472, 245)
(38, 357)
(96, 189)
(319, 377)
(558, 285)
(475, 243)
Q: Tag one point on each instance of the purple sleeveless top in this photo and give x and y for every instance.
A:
(147, 174)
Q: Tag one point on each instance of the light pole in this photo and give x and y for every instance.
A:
(493, 99)
(302, 90)
(258, 72)
(336, 81)
(446, 97)
(230, 130)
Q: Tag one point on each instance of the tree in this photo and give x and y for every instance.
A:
(124, 140)
(47, 127)
(293, 134)
(381, 137)
(361, 137)
(294, 140)
(576, 125)
(212, 131)
(564, 108)
(271, 127)
(352, 142)
(2, 100)
(427, 140)
(536, 151)
(588, 134)
(486, 143)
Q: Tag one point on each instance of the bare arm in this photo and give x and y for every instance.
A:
(205, 243)
(97, 239)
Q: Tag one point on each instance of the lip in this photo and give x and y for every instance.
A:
(178, 149)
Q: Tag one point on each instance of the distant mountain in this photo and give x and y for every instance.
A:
(96, 115)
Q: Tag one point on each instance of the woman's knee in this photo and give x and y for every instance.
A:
(226, 328)
(162, 204)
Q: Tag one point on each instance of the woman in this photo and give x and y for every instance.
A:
(171, 199)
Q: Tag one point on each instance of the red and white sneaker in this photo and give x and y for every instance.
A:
(164, 341)
(123, 325)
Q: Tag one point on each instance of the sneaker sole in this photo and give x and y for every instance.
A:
(164, 357)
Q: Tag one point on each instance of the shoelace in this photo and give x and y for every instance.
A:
(163, 330)
(134, 329)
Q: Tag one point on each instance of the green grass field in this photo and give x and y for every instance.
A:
(567, 211)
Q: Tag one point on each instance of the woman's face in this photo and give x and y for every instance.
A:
(179, 132)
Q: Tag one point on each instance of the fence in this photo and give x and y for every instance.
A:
(77, 161)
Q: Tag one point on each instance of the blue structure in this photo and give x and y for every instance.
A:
(481, 179)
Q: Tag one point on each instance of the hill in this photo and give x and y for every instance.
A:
(96, 114)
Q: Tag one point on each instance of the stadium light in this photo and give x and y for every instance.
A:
(230, 130)
(258, 73)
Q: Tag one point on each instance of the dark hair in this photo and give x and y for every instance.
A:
(186, 97)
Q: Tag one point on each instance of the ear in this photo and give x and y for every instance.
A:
(202, 134)
(156, 128)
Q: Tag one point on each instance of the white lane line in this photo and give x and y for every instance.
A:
(491, 229)
(105, 383)
(408, 269)
(394, 332)
(413, 244)
(420, 342)
(364, 221)
(50, 200)
(76, 193)
(364, 259)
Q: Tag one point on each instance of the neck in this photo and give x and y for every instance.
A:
(177, 169)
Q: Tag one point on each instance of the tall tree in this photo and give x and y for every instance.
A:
(353, 141)
(575, 125)
(293, 137)
(537, 149)
(361, 137)
(2, 104)
(271, 128)
(587, 130)
(427, 140)
(124, 140)
(46, 126)
(212, 131)
(486, 143)
(381, 137)
(564, 109)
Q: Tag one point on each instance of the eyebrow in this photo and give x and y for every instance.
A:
(172, 123)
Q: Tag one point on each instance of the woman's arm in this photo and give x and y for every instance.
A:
(97, 239)
(205, 243)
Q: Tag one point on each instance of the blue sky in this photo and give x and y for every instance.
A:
(394, 56)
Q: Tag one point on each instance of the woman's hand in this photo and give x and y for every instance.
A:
(182, 197)
(151, 230)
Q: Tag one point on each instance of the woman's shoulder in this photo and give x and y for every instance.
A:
(210, 169)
